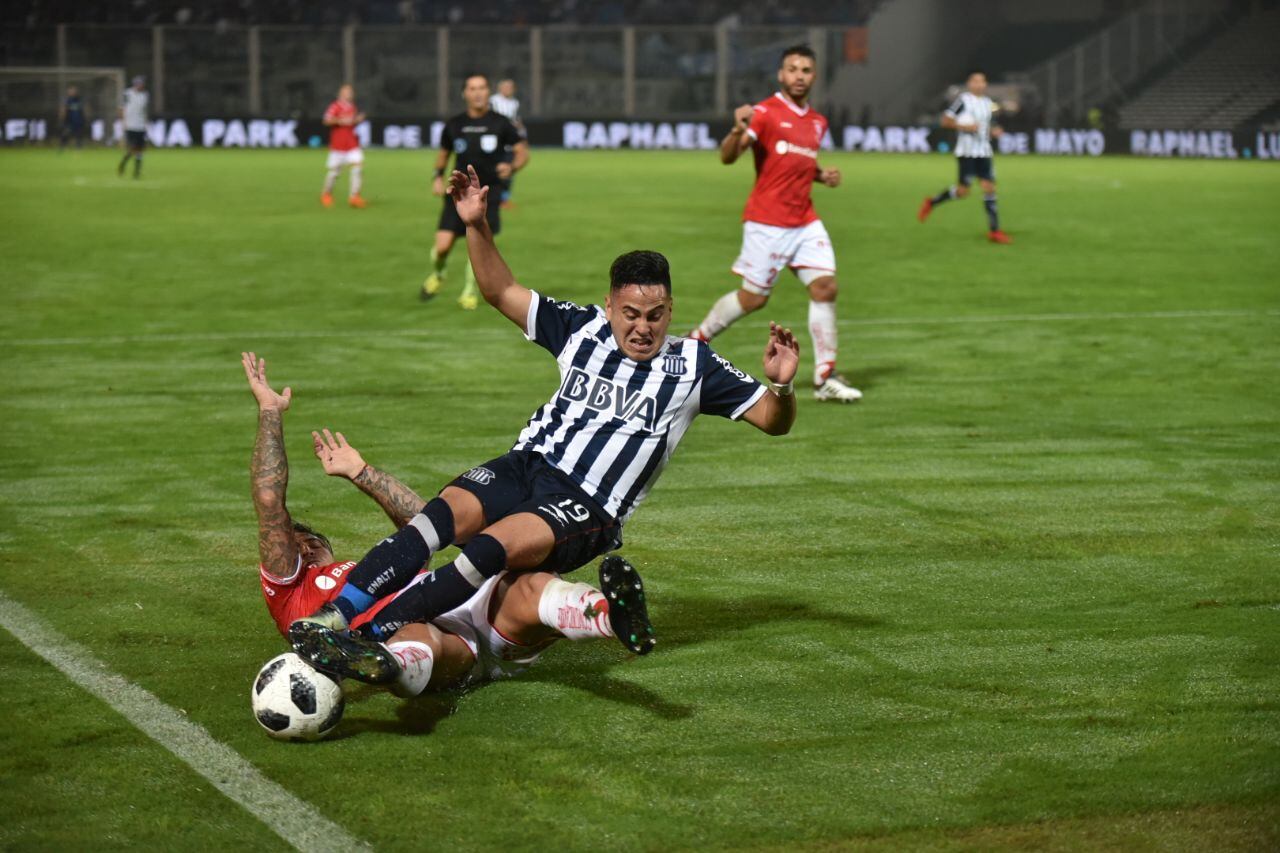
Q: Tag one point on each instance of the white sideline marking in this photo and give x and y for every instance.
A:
(249, 337)
(297, 822)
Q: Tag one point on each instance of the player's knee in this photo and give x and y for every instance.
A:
(468, 514)
(419, 632)
(752, 301)
(823, 289)
(962, 191)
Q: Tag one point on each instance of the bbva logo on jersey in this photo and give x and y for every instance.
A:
(603, 395)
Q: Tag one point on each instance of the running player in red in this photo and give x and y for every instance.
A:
(499, 632)
(780, 227)
(344, 147)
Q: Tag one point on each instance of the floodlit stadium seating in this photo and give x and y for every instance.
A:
(1228, 82)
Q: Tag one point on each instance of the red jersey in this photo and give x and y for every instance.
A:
(303, 594)
(785, 140)
(342, 137)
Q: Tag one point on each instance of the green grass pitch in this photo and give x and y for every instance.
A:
(1026, 595)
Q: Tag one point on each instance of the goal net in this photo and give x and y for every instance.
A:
(37, 94)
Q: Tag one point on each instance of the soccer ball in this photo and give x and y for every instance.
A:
(294, 702)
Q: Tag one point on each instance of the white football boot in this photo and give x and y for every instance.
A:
(836, 390)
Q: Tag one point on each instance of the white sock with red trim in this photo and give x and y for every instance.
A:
(822, 326)
(577, 610)
(330, 178)
(721, 316)
(357, 177)
(416, 661)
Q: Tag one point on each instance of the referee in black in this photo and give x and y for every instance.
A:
(489, 143)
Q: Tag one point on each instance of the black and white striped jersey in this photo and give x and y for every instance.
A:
(614, 422)
(973, 109)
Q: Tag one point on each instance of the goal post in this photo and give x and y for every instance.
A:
(37, 93)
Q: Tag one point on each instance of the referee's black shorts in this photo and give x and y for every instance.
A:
(449, 220)
(136, 139)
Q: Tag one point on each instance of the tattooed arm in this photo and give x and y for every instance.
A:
(340, 459)
(269, 473)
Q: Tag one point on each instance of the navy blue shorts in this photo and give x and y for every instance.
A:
(522, 481)
(136, 139)
(976, 167)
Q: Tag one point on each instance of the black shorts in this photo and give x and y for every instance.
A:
(136, 139)
(981, 168)
(522, 481)
(449, 220)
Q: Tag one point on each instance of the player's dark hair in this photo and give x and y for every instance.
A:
(640, 267)
(974, 71)
(798, 50)
(466, 78)
(302, 528)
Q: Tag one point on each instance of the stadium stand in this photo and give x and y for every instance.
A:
(1231, 81)
(454, 12)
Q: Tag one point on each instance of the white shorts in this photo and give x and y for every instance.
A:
(495, 656)
(766, 249)
(338, 159)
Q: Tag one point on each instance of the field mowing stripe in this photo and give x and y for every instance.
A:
(298, 823)
(110, 340)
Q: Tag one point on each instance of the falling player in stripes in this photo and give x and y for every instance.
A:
(971, 115)
(584, 462)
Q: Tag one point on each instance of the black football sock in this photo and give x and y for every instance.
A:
(394, 561)
(442, 589)
(989, 202)
(946, 195)
(123, 163)
(137, 166)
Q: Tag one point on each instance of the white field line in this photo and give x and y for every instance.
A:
(298, 823)
(371, 334)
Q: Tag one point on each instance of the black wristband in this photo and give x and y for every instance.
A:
(439, 173)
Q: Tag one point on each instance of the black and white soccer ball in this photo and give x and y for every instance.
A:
(292, 701)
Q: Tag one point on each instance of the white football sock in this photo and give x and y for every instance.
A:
(722, 315)
(330, 178)
(822, 326)
(577, 610)
(357, 175)
(416, 660)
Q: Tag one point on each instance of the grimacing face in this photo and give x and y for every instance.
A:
(639, 315)
(977, 83)
(312, 550)
(476, 93)
(796, 76)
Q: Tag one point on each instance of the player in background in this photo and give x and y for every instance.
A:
(497, 633)
(487, 142)
(505, 103)
(133, 115)
(72, 118)
(971, 116)
(344, 147)
(584, 462)
(780, 227)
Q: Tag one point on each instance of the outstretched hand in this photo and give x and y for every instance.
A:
(470, 199)
(781, 355)
(338, 458)
(255, 370)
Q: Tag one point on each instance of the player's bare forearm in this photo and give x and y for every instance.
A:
(493, 276)
(773, 413)
(269, 472)
(520, 156)
(397, 500)
(732, 146)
